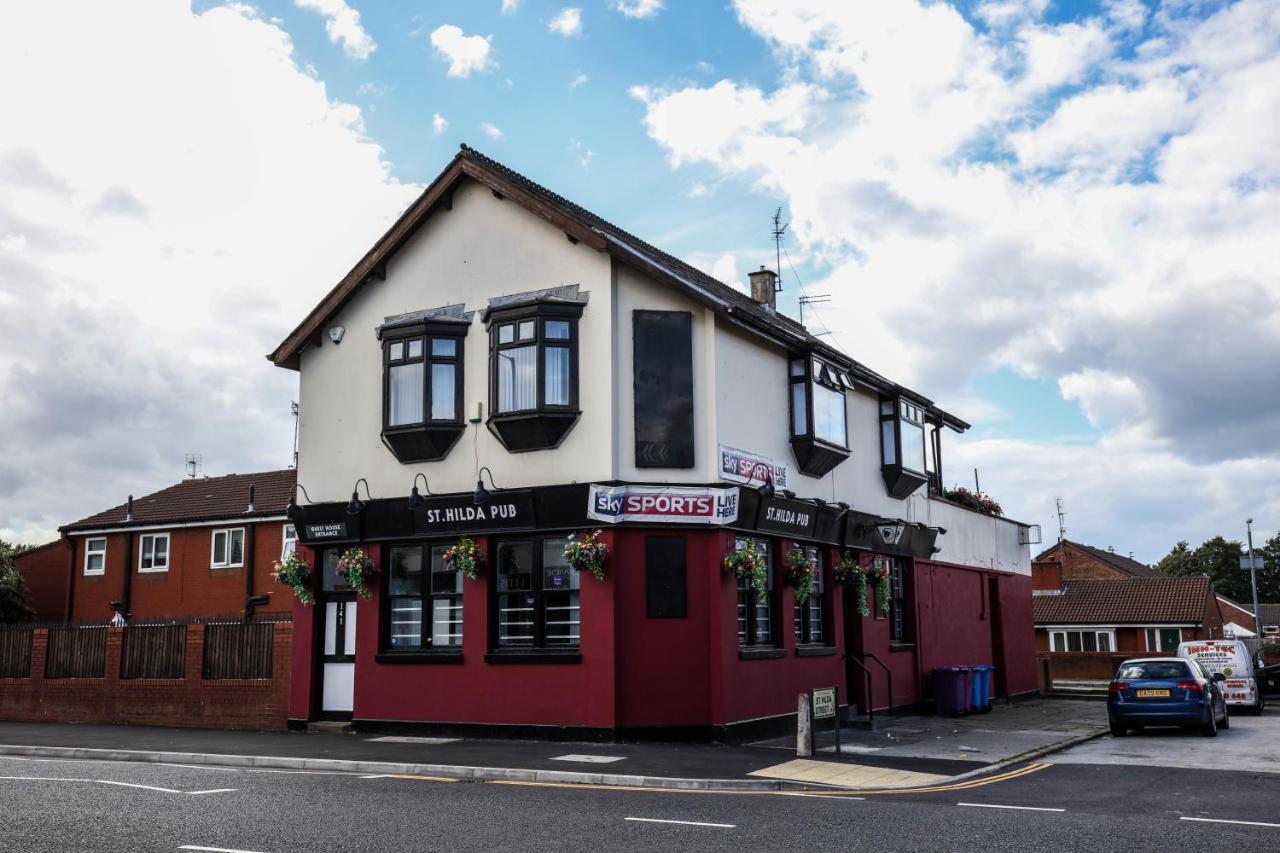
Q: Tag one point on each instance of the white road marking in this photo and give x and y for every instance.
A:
(816, 796)
(428, 741)
(211, 791)
(1240, 822)
(590, 759)
(681, 822)
(1017, 808)
(216, 849)
(110, 782)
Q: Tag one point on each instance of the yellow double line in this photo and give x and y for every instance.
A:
(958, 786)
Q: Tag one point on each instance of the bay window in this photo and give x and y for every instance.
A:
(902, 446)
(819, 419)
(422, 385)
(533, 373)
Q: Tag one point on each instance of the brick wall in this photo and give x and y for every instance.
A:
(190, 587)
(259, 704)
(44, 570)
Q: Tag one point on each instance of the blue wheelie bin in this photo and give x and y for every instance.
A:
(980, 701)
(950, 691)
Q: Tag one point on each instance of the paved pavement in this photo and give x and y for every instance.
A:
(112, 806)
(1251, 744)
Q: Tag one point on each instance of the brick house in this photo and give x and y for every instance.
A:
(1237, 616)
(44, 571)
(203, 547)
(1087, 627)
(1067, 560)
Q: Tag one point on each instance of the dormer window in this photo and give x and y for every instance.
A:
(422, 387)
(819, 419)
(533, 373)
(902, 446)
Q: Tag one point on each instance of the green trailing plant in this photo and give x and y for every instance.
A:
(465, 557)
(587, 554)
(800, 572)
(293, 572)
(880, 576)
(747, 564)
(850, 574)
(355, 566)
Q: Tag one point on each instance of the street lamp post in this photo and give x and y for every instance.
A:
(1253, 577)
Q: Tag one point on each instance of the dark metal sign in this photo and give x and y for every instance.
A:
(787, 517)
(322, 532)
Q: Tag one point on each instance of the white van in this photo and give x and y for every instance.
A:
(1232, 659)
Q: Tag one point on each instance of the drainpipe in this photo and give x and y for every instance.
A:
(71, 577)
(127, 597)
(249, 529)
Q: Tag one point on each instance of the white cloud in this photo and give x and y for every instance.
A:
(342, 23)
(509, 6)
(725, 268)
(578, 80)
(582, 153)
(639, 8)
(1043, 198)
(439, 124)
(465, 54)
(567, 22)
(217, 191)
(704, 67)
(490, 130)
(698, 189)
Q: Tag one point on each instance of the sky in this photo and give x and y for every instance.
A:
(1059, 220)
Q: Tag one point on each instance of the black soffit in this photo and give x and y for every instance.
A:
(563, 507)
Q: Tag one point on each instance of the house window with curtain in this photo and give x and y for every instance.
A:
(422, 360)
(533, 396)
(903, 446)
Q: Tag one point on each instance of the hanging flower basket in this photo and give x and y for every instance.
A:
(879, 574)
(465, 557)
(293, 572)
(748, 564)
(356, 568)
(849, 574)
(587, 554)
(800, 573)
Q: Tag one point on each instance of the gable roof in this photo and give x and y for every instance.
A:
(1268, 614)
(581, 225)
(1125, 601)
(200, 499)
(1128, 565)
(1235, 605)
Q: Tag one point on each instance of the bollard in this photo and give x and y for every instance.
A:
(804, 727)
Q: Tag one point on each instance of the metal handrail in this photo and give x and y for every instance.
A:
(867, 677)
(888, 674)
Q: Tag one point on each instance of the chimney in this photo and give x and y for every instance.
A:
(764, 287)
(128, 512)
(252, 506)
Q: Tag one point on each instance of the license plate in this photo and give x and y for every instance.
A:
(1153, 694)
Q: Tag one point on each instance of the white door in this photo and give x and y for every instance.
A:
(339, 666)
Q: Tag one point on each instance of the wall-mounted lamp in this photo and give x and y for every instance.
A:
(417, 501)
(482, 494)
(765, 489)
(357, 506)
(336, 333)
(293, 510)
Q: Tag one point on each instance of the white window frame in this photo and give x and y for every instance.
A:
(288, 540)
(1055, 633)
(142, 550)
(89, 551)
(213, 548)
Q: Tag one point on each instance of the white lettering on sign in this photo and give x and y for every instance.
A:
(677, 504)
(326, 531)
(751, 469)
(457, 514)
(824, 703)
(791, 517)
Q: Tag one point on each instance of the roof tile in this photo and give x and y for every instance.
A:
(1125, 601)
(202, 499)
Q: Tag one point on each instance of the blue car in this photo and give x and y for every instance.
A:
(1166, 692)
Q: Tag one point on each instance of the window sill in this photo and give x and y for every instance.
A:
(501, 656)
(902, 647)
(815, 651)
(421, 656)
(761, 654)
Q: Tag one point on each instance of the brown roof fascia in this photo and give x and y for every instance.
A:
(373, 264)
(78, 528)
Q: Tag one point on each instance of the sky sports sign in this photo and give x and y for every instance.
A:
(670, 504)
(750, 469)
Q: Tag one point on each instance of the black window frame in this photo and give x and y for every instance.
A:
(426, 597)
(428, 439)
(538, 647)
(901, 480)
(900, 626)
(815, 455)
(746, 605)
(803, 624)
(543, 426)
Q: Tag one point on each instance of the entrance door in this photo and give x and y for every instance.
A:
(855, 677)
(338, 667)
(1000, 687)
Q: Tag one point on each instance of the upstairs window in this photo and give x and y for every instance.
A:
(153, 553)
(422, 387)
(902, 446)
(533, 373)
(228, 549)
(819, 416)
(95, 556)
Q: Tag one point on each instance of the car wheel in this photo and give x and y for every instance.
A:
(1210, 729)
(1118, 729)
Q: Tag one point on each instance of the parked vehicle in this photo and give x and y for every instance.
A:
(1232, 659)
(1166, 692)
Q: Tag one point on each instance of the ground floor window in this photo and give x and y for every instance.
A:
(1163, 639)
(899, 625)
(424, 599)
(536, 595)
(755, 614)
(810, 626)
(1082, 641)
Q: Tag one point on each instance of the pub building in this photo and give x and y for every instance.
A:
(508, 368)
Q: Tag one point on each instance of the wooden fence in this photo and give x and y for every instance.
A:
(15, 651)
(238, 650)
(153, 651)
(76, 652)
